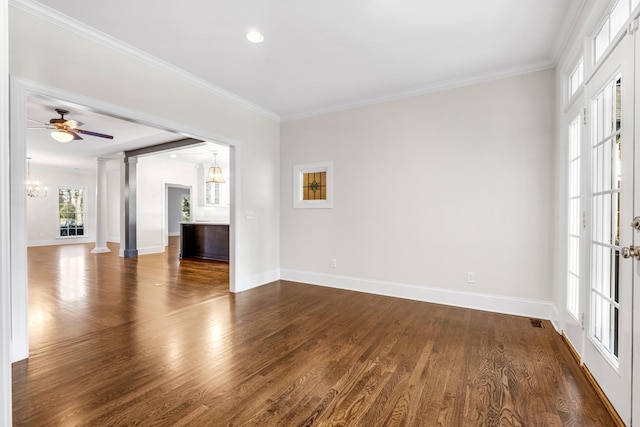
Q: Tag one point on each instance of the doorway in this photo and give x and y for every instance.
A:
(21, 90)
(178, 208)
(610, 146)
(600, 270)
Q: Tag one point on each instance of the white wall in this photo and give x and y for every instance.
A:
(43, 221)
(153, 174)
(56, 56)
(427, 189)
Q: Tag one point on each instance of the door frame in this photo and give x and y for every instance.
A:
(6, 412)
(635, 375)
(575, 110)
(20, 89)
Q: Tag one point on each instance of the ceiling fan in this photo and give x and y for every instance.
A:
(65, 130)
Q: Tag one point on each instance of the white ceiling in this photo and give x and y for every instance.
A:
(324, 55)
(317, 56)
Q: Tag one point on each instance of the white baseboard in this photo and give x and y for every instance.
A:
(151, 250)
(250, 282)
(145, 251)
(114, 239)
(173, 233)
(555, 318)
(63, 241)
(477, 301)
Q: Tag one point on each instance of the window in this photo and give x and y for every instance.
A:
(186, 208)
(576, 78)
(312, 185)
(212, 193)
(71, 211)
(613, 23)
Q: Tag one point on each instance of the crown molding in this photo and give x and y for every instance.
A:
(566, 29)
(426, 89)
(51, 15)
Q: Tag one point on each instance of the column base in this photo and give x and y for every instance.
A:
(97, 250)
(130, 253)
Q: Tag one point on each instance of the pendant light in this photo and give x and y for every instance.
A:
(215, 173)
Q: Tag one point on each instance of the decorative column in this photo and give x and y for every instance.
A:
(130, 207)
(101, 206)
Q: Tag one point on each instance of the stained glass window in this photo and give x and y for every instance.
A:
(314, 186)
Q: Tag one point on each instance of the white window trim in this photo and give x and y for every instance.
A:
(570, 98)
(84, 211)
(298, 172)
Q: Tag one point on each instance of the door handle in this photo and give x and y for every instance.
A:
(636, 223)
(631, 252)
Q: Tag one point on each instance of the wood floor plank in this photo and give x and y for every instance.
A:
(155, 341)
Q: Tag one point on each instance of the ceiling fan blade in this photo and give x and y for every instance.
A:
(39, 122)
(39, 127)
(76, 137)
(88, 132)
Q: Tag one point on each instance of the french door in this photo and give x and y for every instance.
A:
(609, 250)
(576, 227)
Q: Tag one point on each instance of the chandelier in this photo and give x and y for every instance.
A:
(34, 188)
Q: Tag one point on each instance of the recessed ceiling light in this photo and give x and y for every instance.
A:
(255, 37)
(173, 156)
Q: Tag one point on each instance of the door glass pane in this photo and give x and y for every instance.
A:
(573, 221)
(605, 207)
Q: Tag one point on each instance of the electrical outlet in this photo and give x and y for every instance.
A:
(334, 264)
(471, 277)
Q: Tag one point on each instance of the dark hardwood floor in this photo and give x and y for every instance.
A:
(158, 342)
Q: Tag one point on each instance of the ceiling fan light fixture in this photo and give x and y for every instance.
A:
(61, 136)
(255, 36)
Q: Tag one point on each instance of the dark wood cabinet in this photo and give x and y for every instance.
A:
(204, 241)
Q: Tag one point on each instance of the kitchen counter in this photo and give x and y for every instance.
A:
(204, 241)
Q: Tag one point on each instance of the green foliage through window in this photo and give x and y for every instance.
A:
(71, 211)
(186, 208)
